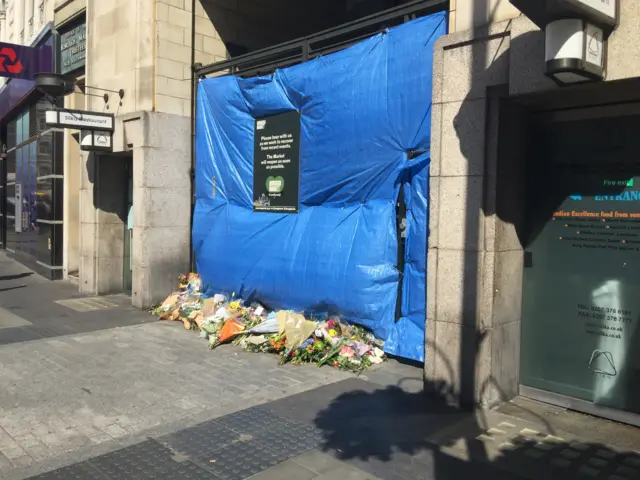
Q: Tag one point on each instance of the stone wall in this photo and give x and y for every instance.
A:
(473, 253)
(162, 207)
(120, 54)
(173, 53)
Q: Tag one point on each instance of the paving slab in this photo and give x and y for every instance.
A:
(542, 448)
(289, 470)
(356, 429)
(34, 308)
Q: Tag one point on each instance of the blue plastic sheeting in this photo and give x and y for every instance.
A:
(362, 109)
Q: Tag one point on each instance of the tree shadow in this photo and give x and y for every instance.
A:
(396, 434)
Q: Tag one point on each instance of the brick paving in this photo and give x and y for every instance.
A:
(33, 308)
(78, 395)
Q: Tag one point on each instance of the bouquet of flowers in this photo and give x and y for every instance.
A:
(323, 341)
(337, 344)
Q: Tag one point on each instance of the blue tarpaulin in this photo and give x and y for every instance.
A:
(363, 110)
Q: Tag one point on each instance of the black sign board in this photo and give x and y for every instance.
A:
(276, 163)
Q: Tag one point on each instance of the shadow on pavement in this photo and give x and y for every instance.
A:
(12, 288)
(15, 277)
(395, 434)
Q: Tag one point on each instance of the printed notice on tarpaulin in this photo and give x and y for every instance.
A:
(276, 163)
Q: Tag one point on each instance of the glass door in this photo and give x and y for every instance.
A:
(581, 301)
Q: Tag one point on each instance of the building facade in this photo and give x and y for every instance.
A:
(30, 209)
(531, 285)
(127, 213)
(122, 219)
(21, 21)
(533, 218)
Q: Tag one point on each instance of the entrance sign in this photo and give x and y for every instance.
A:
(80, 119)
(276, 163)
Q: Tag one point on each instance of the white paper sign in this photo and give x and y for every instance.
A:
(595, 45)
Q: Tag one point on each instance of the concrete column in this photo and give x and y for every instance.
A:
(474, 254)
(72, 186)
(88, 214)
(161, 206)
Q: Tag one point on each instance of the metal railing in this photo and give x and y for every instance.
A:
(266, 60)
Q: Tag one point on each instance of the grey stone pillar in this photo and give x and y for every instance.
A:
(162, 207)
(474, 255)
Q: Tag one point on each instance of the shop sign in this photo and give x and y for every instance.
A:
(276, 163)
(19, 61)
(80, 119)
(73, 49)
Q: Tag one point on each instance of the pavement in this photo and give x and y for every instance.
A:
(101, 390)
(33, 308)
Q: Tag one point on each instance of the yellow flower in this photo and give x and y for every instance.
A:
(234, 305)
(332, 332)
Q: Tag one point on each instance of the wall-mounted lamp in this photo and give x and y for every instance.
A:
(576, 33)
(57, 85)
(575, 51)
(91, 140)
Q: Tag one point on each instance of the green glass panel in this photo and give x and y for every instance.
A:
(581, 304)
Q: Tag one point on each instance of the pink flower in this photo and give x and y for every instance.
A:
(331, 324)
(347, 352)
